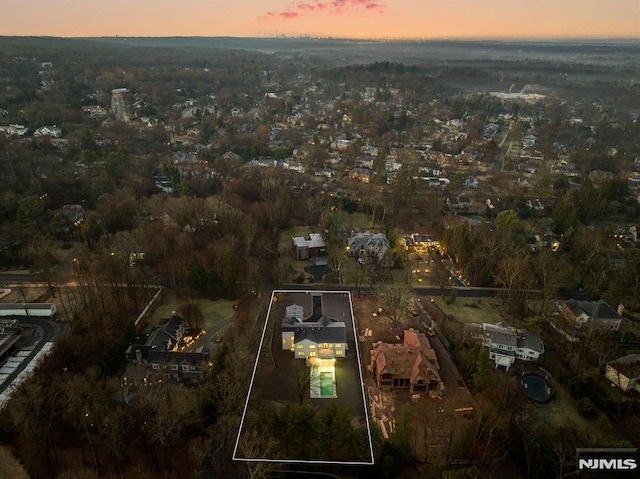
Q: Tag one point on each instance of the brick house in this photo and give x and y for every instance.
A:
(412, 364)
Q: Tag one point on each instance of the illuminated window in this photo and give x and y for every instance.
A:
(300, 353)
(338, 353)
(325, 346)
(312, 354)
(299, 346)
(312, 346)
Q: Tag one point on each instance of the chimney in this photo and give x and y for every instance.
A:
(138, 356)
(620, 309)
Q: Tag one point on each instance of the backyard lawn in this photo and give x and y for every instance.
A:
(562, 411)
(212, 311)
(353, 221)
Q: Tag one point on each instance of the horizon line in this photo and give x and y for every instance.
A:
(368, 39)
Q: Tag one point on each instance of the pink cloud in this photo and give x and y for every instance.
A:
(334, 7)
(281, 14)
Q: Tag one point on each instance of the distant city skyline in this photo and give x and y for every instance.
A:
(381, 19)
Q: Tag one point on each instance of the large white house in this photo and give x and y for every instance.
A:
(322, 338)
(506, 344)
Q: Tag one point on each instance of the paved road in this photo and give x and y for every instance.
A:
(462, 292)
(206, 339)
(498, 164)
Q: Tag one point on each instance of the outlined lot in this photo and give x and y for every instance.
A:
(284, 420)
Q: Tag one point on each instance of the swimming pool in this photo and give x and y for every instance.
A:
(326, 384)
(536, 388)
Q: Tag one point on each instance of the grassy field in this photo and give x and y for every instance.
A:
(471, 310)
(561, 411)
(212, 311)
(352, 221)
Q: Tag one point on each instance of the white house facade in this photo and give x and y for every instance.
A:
(322, 339)
(506, 344)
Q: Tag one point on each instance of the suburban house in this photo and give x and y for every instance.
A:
(52, 131)
(412, 364)
(373, 245)
(158, 357)
(506, 343)
(17, 130)
(341, 144)
(592, 314)
(365, 161)
(624, 372)
(361, 174)
(423, 242)
(166, 337)
(309, 248)
(316, 336)
(74, 213)
(161, 365)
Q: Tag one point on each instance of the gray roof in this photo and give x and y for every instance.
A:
(500, 334)
(628, 365)
(527, 339)
(593, 309)
(179, 357)
(159, 339)
(322, 335)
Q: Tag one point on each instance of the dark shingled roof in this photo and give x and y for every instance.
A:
(628, 365)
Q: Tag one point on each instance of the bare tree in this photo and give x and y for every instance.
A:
(304, 377)
(394, 299)
(551, 272)
(249, 229)
(512, 273)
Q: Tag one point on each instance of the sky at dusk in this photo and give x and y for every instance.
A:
(389, 19)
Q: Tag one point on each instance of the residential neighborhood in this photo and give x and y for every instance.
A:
(254, 257)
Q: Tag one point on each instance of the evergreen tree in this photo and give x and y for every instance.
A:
(197, 276)
(229, 272)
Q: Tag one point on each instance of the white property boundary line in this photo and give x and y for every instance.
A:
(253, 375)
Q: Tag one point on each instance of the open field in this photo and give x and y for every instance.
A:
(212, 311)
(561, 411)
(352, 221)
(467, 310)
